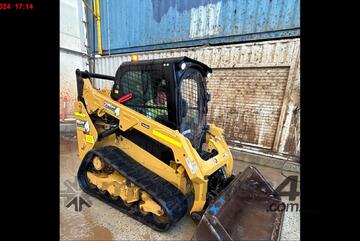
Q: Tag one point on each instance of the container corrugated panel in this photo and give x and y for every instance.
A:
(140, 25)
(248, 103)
(254, 87)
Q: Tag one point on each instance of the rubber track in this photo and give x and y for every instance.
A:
(173, 202)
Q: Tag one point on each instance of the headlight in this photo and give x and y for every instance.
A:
(208, 75)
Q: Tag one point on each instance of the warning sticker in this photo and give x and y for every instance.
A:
(89, 139)
(112, 109)
(214, 160)
(82, 125)
(192, 165)
(144, 125)
(80, 114)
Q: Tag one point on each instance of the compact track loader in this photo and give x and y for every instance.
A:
(148, 151)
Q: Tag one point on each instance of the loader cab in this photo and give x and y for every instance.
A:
(171, 91)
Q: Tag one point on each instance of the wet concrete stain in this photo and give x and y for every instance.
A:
(100, 233)
(147, 236)
(81, 226)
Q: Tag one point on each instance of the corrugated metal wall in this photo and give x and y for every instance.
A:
(248, 103)
(139, 25)
(255, 90)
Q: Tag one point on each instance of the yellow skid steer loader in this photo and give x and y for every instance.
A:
(148, 151)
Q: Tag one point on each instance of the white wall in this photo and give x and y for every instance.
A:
(72, 50)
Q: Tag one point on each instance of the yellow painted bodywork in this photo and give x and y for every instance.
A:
(188, 172)
(149, 205)
(98, 164)
(118, 186)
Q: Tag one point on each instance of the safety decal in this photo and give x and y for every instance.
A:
(214, 160)
(112, 109)
(166, 138)
(192, 165)
(82, 125)
(80, 114)
(145, 126)
(89, 139)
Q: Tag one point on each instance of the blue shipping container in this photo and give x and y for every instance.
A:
(140, 25)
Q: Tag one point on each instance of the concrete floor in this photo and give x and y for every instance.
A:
(102, 222)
